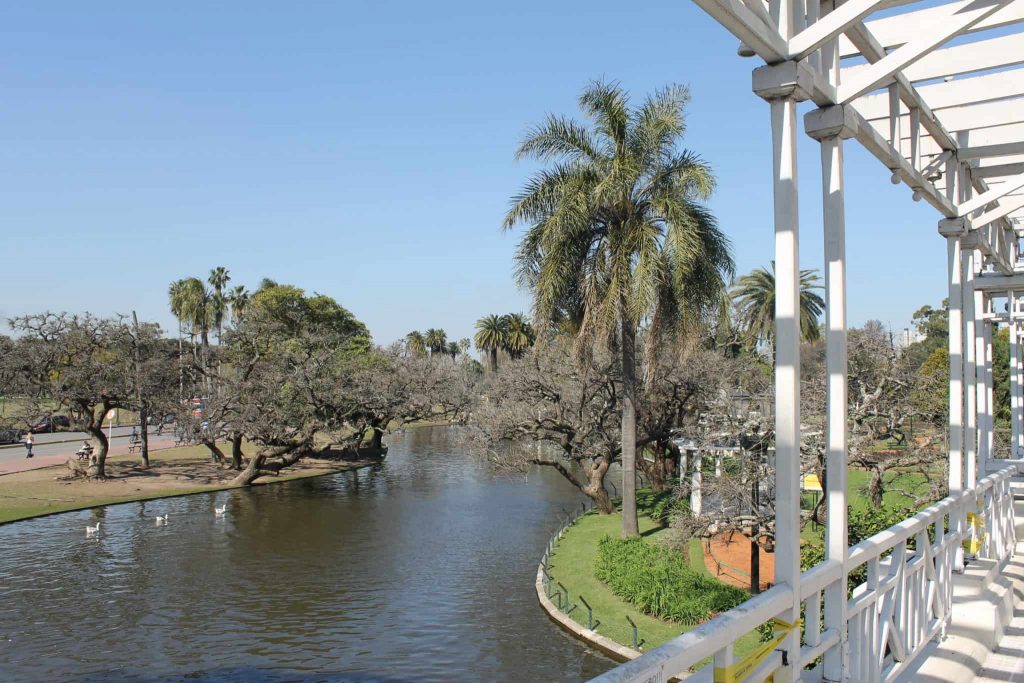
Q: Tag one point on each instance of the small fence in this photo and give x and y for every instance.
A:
(558, 594)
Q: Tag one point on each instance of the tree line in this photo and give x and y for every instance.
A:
(286, 376)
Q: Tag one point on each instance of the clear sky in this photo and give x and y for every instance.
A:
(365, 150)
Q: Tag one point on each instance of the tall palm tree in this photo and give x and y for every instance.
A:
(193, 302)
(436, 340)
(754, 297)
(219, 278)
(452, 349)
(464, 344)
(415, 344)
(490, 336)
(175, 295)
(239, 300)
(519, 335)
(616, 231)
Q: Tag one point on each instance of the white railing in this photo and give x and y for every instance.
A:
(905, 601)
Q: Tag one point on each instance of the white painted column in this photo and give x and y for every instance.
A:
(1014, 377)
(990, 407)
(696, 483)
(787, 370)
(981, 339)
(956, 366)
(970, 376)
(836, 540)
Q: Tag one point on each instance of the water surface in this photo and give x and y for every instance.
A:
(418, 569)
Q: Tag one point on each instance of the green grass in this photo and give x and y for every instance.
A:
(572, 564)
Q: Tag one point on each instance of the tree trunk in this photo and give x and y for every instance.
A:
(236, 451)
(492, 357)
(144, 435)
(595, 488)
(377, 438)
(876, 487)
(755, 567)
(98, 462)
(140, 399)
(246, 477)
(630, 524)
(216, 454)
(181, 364)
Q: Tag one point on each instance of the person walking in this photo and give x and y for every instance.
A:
(29, 440)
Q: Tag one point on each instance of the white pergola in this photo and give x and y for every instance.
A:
(935, 92)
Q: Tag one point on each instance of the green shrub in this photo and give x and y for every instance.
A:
(658, 581)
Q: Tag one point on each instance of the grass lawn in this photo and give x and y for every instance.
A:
(572, 564)
(172, 472)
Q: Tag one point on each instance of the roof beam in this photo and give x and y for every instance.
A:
(971, 116)
(981, 55)
(1005, 208)
(898, 29)
(746, 25)
(999, 283)
(830, 26)
(998, 171)
(981, 200)
(943, 28)
(955, 93)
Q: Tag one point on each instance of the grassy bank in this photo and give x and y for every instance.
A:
(172, 472)
(572, 564)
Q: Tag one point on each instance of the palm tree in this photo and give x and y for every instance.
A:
(436, 340)
(452, 349)
(175, 295)
(219, 278)
(754, 296)
(616, 231)
(464, 344)
(519, 335)
(415, 344)
(239, 300)
(193, 303)
(490, 336)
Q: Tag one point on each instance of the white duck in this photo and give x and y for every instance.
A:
(221, 510)
(161, 520)
(91, 530)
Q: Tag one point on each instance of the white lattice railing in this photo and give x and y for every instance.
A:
(905, 601)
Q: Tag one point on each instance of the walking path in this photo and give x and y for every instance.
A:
(1007, 663)
(47, 455)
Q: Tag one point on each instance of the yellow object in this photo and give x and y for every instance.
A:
(738, 672)
(811, 482)
(976, 524)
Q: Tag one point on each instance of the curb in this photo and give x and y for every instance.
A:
(619, 653)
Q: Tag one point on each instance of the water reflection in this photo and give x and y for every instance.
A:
(418, 569)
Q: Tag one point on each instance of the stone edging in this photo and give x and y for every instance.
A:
(619, 653)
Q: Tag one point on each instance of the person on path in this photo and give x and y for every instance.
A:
(29, 440)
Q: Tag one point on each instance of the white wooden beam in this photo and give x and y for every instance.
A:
(830, 26)
(942, 29)
(1007, 206)
(996, 193)
(748, 27)
(980, 55)
(898, 29)
(955, 93)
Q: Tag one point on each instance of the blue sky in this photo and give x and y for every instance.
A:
(365, 150)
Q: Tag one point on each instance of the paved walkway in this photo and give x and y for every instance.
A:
(1007, 663)
(14, 460)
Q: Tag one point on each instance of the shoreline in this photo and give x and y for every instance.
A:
(171, 488)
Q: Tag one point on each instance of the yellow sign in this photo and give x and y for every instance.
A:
(811, 482)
